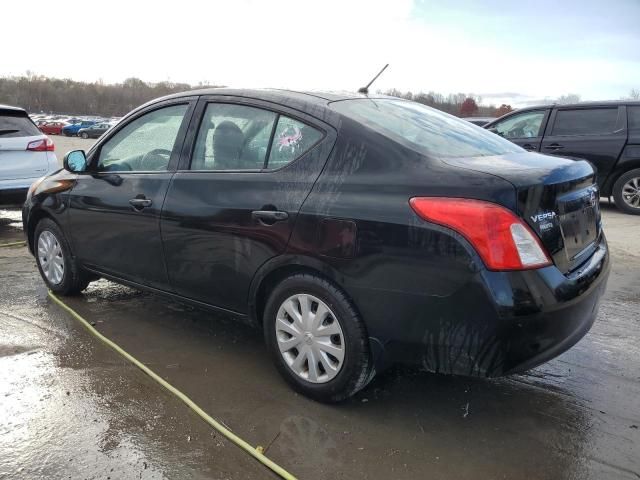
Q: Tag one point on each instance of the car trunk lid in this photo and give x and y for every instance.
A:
(558, 198)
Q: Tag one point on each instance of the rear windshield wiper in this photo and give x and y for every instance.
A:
(4, 132)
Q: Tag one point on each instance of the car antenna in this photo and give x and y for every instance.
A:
(365, 90)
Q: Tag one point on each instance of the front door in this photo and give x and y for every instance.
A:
(594, 134)
(233, 204)
(114, 208)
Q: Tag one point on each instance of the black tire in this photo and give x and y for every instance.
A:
(74, 280)
(356, 370)
(617, 192)
(84, 135)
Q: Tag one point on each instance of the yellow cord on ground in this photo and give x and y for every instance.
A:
(12, 244)
(257, 452)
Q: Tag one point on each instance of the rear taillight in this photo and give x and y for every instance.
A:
(503, 240)
(43, 145)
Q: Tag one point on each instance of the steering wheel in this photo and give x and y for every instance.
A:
(156, 159)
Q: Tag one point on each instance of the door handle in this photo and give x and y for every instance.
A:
(140, 203)
(269, 217)
(528, 146)
(554, 146)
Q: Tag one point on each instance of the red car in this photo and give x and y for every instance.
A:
(51, 128)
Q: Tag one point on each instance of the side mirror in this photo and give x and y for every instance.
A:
(495, 130)
(75, 161)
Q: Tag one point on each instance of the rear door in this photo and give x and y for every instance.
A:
(247, 169)
(596, 134)
(524, 128)
(16, 162)
(114, 208)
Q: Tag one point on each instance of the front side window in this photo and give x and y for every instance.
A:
(145, 144)
(424, 129)
(593, 121)
(522, 125)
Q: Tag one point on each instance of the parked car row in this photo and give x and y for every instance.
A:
(73, 126)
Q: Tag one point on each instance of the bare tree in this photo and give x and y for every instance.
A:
(634, 94)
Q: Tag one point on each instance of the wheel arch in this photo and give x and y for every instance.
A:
(279, 268)
(630, 160)
(33, 221)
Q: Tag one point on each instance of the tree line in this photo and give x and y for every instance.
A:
(460, 104)
(36, 94)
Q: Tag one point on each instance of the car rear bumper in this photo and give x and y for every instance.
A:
(501, 323)
(15, 191)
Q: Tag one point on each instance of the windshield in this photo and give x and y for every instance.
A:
(425, 129)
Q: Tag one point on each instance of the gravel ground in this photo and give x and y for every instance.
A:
(66, 144)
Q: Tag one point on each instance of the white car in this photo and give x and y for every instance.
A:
(26, 154)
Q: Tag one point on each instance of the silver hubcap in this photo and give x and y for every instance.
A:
(310, 338)
(50, 257)
(631, 192)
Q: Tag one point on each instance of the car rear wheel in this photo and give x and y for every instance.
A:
(626, 192)
(56, 264)
(318, 341)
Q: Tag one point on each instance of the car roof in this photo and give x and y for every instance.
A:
(12, 109)
(302, 98)
(322, 97)
(602, 103)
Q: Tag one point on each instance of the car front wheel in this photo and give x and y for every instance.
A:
(85, 135)
(318, 341)
(56, 264)
(626, 192)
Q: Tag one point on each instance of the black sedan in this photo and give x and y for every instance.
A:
(356, 231)
(94, 131)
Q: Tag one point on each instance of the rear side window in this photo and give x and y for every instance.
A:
(425, 129)
(233, 137)
(634, 119)
(595, 121)
(17, 125)
(291, 140)
(240, 137)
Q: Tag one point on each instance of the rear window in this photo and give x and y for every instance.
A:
(425, 129)
(585, 121)
(17, 124)
(634, 119)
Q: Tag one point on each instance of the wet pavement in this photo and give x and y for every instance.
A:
(72, 408)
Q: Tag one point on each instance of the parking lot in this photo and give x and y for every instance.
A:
(74, 408)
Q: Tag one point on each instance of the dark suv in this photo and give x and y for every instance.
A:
(356, 231)
(607, 134)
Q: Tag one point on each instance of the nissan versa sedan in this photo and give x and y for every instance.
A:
(356, 231)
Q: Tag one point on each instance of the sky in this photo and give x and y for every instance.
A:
(513, 52)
